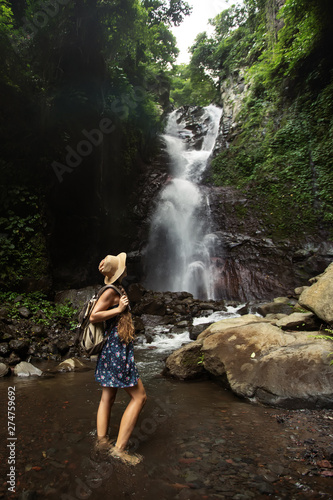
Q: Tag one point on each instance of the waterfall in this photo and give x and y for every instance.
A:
(180, 244)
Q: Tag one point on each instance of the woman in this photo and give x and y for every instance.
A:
(115, 365)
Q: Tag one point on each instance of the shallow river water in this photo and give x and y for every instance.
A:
(197, 439)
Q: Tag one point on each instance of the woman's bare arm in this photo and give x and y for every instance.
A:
(109, 298)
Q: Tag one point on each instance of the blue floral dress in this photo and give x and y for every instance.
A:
(115, 365)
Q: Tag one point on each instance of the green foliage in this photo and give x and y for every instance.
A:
(273, 159)
(282, 152)
(201, 359)
(166, 11)
(42, 311)
(22, 244)
(191, 88)
(65, 66)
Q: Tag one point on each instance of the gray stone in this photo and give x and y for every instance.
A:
(275, 308)
(25, 369)
(71, 365)
(24, 312)
(299, 290)
(299, 321)
(4, 369)
(76, 298)
(4, 349)
(20, 347)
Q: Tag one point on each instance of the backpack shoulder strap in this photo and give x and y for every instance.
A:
(105, 288)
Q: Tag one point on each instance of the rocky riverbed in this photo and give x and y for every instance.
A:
(23, 337)
(198, 442)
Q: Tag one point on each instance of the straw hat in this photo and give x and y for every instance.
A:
(112, 267)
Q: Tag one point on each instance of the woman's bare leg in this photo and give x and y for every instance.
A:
(129, 419)
(104, 410)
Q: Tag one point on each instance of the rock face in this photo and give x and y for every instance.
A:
(274, 360)
(247, 262)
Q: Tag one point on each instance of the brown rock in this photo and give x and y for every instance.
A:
(264, 363)
(299, 321)
(224, 324)
(318, 297)
(185, 363)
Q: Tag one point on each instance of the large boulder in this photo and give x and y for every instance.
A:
(318, 297)
(261, 362)
(224, 324)
(77, 298)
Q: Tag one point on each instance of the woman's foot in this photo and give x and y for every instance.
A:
(104, 444)
(124, 456)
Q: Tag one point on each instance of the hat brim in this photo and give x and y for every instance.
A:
(122, 266)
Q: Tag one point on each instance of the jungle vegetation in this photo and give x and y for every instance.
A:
(76, 71)
(282, 150)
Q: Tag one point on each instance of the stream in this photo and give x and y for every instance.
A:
(198, 440)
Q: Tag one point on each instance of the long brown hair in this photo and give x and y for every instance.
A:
(126, 329)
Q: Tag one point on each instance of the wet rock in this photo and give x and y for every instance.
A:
(4, 369)
(318, 297)
(24, 312)
(4, 349)
(138, 324)
(299, 321)
(275, 308)
(151, 320)
(72, 364)
(20, 347)
(39, 331)
(135, 293)
(76, 298)
(13, 359)
(184, 363)
(3, 313)
(197, 329)
(7, 331)
(243, 310)
(25, 369)
(155, 307)
(62, 347)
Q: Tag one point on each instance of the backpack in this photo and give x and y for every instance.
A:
(91, 336)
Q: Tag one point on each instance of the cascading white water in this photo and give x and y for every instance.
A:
(178, 254)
